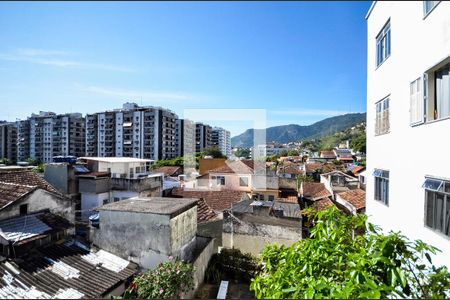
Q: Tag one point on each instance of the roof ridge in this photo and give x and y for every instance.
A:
(14, 183)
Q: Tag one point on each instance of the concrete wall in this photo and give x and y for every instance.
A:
(146, 239)
(212, 229)
(57, 176)
(418, 43)
(40, 200)
(91, 200)
(232, 182)
(252, 244)
(94, 185)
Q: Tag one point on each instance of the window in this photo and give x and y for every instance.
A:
(116, 199)
(437, 205)
(384, 44)
(416, 102)
(261, 197)
(382, 117)
(271, 198)
(220, 180)
(105, 201)
(243, 181)
(381, 186)
(428, 6)
(442, 97)
(23, 209)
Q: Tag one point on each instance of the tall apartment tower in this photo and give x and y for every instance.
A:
(8, 141)
(221, 139)
(45, 135)
(185, 137)
(408, 120)
(203, 137)
(133, 131)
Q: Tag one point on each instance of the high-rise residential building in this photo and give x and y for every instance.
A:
(408, 120)
(8, 141)
(185, 137)
(132, 131)
(45, 135)
(221, 139)
(203, 134)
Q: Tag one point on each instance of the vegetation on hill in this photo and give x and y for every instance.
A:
(292, 132)
(346, 257)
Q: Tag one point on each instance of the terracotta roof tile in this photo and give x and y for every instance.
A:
(239, 167)
(327, 154)
(322, 204)
(356, 197)
(204, 212)
(26, 177)
(358, 169)
(217, 200)
(11, 192)
(314, 190)
(168, 170)
(291, 169)
(310, 168)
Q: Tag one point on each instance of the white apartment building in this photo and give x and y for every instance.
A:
(408, 120)
(133, 131)
(222, 140)
(45, 135)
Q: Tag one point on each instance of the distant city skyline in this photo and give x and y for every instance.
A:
(89, 57)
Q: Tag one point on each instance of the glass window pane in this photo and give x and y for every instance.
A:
(439, 212)
(377, 173)
(447, 216)
(429, 209)
(447, 187)
(432, 184)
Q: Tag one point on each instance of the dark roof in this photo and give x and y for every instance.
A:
(314, 190)
(65, 270)
(356, 197)
(168, 170)
(151, 205)
(290, 210)
(312, 167)
(26, 177)
(238, 167)
(217, 200)
(11, 192)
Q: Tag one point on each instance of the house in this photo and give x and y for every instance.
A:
(354, 201)
(68, 270)
(148, 231)
(251, 225)
(116, 178)
(24, 192)
(408, 107)
(313, 191)
(311, 169)
(336, 182)
(328, 155)
(171, 171)
(207, 164)
(344, 155)
(20, 234)
(290, 171)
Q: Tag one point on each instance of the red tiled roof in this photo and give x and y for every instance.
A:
(327, 154)
(11, 192)
(290, 199)
(204, 212)
(310, 168)
(217, 200)
(345, 158)
(358, 169)
(322, 204)
(168, 170)
(291, 169)
(26, 177)
(356, 197)
(314, 190)
(238, 167)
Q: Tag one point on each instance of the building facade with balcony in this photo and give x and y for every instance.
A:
(408, 112)
(8, 141)
(221, 139)
(45, 135)
(133, 131)
(203, 137)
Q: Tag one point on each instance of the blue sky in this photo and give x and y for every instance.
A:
(301, 61)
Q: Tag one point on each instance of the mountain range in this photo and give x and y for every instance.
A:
(294, 132)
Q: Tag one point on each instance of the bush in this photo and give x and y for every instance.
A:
(337, 262)
(168, 280)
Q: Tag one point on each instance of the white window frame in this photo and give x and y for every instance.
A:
(427, 9)
(382, 123)
(383, 44)
(417, 101)
(244, 179)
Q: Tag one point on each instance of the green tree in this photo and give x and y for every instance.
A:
(359, 143)
(212, 151)
(346, 257)
(168, 281)
(242, 152)
(292, 152)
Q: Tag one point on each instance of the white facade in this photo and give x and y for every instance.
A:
(415, 143)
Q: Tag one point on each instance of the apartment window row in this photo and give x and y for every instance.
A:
(437, 205)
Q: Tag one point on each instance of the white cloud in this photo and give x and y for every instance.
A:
(58, 59)
(139, 94)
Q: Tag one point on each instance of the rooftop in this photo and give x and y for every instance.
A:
(11, 192)
(68, 271)
(356, 197)
(322, 204)
(314, 191)
(151, 205)
(238, 167)
(26, 177)
(167, 170)
(217, 200)
(118, 159)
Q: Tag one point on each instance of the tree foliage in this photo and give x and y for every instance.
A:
(169, 280)
(178, 161)
(242, 152)
(337, 262)
(212, 151)
(359, 143)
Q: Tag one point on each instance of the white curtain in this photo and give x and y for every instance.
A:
(443, 93)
